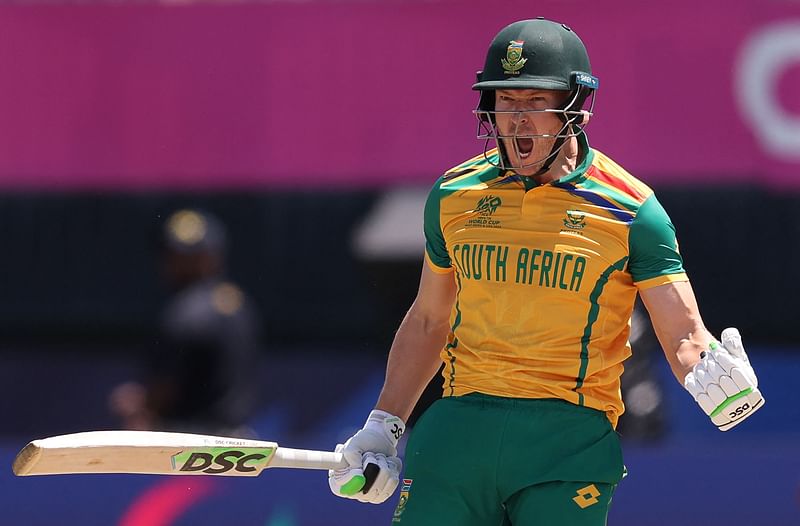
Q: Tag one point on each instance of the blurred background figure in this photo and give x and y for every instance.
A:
(645, 417)
(200, 373)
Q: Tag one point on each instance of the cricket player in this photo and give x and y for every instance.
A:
(535, 252)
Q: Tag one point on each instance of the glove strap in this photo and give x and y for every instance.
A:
(392, 426)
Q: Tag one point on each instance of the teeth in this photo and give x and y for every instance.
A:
(524, 152)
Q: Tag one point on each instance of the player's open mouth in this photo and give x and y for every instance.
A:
(524, 146)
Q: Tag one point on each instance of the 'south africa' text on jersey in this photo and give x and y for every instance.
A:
(532, 266)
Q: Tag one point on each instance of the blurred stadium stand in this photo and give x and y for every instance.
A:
(83, 266)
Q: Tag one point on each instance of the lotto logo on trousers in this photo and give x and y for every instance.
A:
(586, 496)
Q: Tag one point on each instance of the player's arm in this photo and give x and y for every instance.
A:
(414, 355)
(373, 468)
(718, 375)
(678, 325)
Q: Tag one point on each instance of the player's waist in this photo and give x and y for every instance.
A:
(606, 402)
(534, 404)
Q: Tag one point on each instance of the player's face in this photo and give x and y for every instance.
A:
(528, 152)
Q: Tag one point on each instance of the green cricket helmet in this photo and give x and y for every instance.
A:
(537, 54)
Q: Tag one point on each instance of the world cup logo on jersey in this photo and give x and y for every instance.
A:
(513, 61)
(488, 205)
(485, 208)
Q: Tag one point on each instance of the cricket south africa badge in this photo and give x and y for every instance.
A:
(513, 61)
(405, 491)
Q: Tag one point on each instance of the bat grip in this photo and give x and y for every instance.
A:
(305, 459)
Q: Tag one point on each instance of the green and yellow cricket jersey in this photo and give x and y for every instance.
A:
(547, 276)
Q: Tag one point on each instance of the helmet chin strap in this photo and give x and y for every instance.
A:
(547, 161)
(561, 138)
(557, 145)
(572, 101)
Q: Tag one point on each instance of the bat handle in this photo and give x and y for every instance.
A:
(286, 457)
(370, 474)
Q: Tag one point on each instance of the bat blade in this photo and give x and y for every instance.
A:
(162, 453)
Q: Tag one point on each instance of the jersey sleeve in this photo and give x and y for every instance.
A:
(654, 257)
(436, 254)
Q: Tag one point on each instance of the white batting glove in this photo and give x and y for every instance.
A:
(373, 471)
(723, 382)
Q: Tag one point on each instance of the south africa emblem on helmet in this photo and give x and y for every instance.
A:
(513, 61)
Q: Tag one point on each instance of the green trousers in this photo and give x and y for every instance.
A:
(480, 460)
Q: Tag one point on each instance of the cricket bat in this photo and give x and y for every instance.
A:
(161, 453)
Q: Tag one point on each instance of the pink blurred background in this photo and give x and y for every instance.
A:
(354, 94)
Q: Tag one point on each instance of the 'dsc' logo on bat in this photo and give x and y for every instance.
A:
(216, 461)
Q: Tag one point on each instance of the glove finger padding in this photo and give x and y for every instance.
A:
(716, 394)
(385, 482)
(723, 382)
(739, 370)
(729, 386)
(691, 385)
(713, 370)
(346, 482)
(744, 378)
(706, 404)
(702, 377)
(732, 341)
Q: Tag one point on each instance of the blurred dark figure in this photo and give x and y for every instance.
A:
(201, 373)
(644, 419)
